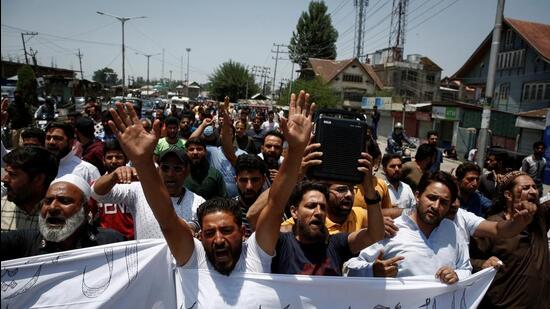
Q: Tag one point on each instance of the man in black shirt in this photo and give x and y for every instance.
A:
(62, 223)
(309, 249)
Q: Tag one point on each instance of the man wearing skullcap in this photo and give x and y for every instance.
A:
(62, 224)
(524, 280)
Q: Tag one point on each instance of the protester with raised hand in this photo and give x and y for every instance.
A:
(221, 233)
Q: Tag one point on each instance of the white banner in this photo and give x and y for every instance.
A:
(283, 291)
(133, 274)
(140, 274)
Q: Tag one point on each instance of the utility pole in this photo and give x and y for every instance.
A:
(33, 56)
(162, 73)
(148, 57)
(188, 52)
(489, 87)
(276, 58)
(24, 47)
(360, 6)
(122, 20)
(79, 55)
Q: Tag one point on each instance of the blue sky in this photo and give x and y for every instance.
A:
(447, 31)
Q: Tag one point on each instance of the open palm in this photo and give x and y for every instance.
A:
(297, 128)
(136, 142)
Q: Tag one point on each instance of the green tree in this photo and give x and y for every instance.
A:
(106, 76)
(320, 93)
(230, 79)
(315, 37)
(26, 84)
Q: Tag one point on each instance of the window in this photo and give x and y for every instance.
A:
(536, 92)
(511, 59)
(504, 90)
(354, 78)
(430, 78)
(353, 96)
(412, 75)
(509, 38)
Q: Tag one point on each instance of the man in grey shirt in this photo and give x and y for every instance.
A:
(534, 164)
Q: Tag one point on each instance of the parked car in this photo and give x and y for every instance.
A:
(137, 103)
(148, 107)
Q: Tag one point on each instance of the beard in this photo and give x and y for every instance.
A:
(309, 234)
(54, 234)
(434, 218)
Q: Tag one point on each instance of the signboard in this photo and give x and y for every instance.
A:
(446, 113)
(380, 102)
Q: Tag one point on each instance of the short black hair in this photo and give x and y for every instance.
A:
(195, 141)
(85, 126)
(35, 133)
(425, 151)
(388, 157)
(274, 133)
(67, 128)
(112, 145)
(220, 204)
(441, 177)
(465, 168)
(305, 186)
(372, 148)
(172, 120)
(431, 132)
(188, 114)
(34, 160)
(250, 162)
(538, 144)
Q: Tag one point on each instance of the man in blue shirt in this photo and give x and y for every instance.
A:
(468, 182)
(433, 138)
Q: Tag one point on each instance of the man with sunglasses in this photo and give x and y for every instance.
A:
(342, 216)
(121, 186)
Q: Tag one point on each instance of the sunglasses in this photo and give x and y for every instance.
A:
(177, 168)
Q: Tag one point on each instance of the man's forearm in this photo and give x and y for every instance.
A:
(104, 184)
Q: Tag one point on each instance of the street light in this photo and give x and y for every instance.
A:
(122, 20)
(188, 51)
(148, 56)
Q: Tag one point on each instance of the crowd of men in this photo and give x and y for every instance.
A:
(228, 192)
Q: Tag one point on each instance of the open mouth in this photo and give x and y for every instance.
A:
(55, 221)
(222, 255)
(316, 222)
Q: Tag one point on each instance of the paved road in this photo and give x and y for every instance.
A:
(448, 165)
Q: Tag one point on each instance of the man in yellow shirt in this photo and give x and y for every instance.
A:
(342, 216)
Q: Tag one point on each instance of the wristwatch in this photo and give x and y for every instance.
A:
(373, 201)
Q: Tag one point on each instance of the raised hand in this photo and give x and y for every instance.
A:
(386, 268)
(297, 128)
(137, 143)
(366, 167)
(125, 174)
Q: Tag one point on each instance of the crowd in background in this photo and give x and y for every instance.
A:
(229, 190)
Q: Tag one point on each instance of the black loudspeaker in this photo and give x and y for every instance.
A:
(342, 141)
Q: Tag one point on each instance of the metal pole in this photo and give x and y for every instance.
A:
(489, 87)
(188, 52)
(148, 56)
(123, 72)
(24, 48)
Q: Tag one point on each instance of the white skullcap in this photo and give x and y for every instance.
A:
(76, 180)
